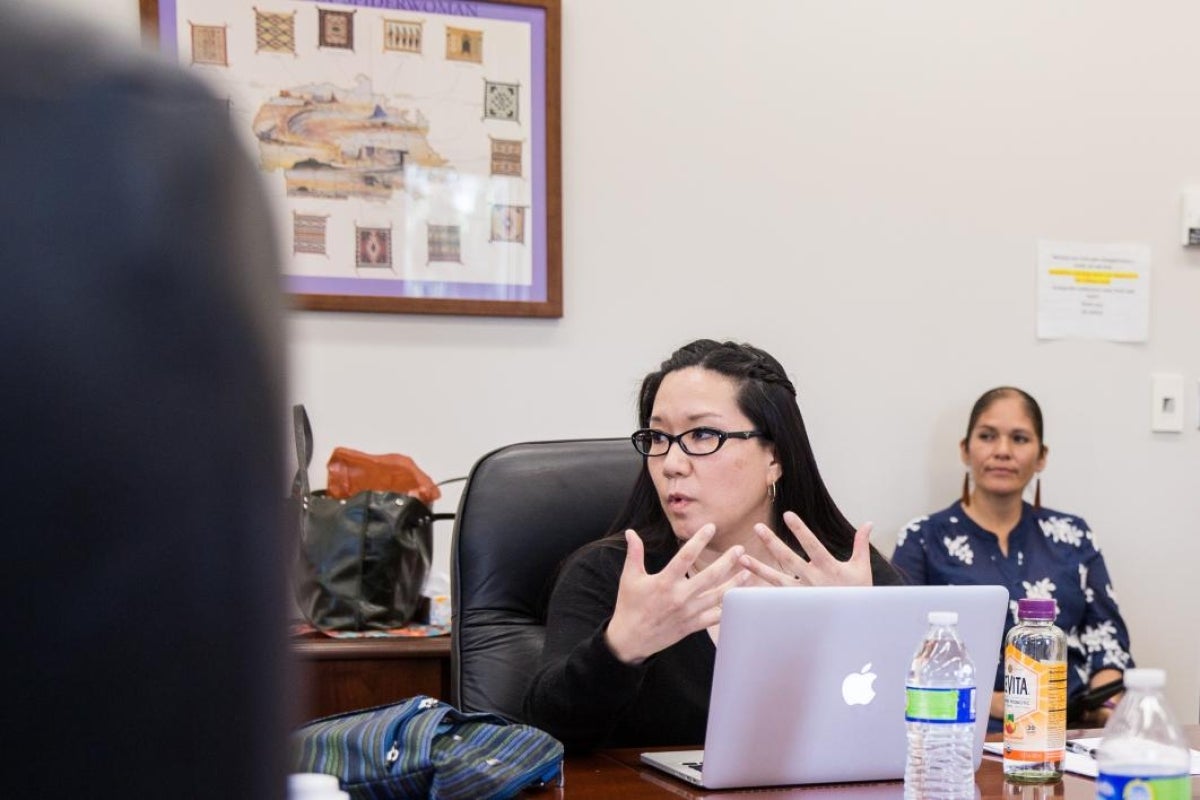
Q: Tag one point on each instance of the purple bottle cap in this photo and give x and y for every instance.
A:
(1036, 608)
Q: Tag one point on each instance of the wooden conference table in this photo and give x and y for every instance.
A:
(618, 774)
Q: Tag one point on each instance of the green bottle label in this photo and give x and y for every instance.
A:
(940, 705)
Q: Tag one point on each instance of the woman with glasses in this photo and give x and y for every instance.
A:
(730, 495)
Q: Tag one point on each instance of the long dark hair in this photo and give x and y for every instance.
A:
(768, 399)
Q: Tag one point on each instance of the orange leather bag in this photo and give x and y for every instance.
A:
(352, 471)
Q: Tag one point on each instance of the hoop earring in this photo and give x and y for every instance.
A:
(1037, 493)
(771, 492)
(966, 495)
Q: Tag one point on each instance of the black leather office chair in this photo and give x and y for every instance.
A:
(524, 509)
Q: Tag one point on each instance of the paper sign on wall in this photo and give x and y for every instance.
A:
(1093, 291)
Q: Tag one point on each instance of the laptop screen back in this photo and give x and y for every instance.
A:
(809, 683)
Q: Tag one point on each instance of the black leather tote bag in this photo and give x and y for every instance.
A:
(361, 562)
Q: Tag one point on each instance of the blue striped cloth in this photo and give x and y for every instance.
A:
(423, 748)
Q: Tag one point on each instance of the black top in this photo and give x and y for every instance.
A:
(142, 420)
(586, 697)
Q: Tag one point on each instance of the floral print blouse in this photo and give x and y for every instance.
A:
(1050, 555)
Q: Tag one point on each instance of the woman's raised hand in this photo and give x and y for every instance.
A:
(655, 611)
(821, 568)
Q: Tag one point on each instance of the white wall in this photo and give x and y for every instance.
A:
(115, 17)
(857, 187)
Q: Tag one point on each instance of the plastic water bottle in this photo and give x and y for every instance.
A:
(940, 713)
(437, 591)
(1143, 752)
(1035, 695)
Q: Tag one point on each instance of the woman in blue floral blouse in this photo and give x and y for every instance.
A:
(991, 536)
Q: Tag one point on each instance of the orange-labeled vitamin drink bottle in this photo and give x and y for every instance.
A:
(1035, 695)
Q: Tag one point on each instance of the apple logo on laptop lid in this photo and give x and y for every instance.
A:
(858, 688)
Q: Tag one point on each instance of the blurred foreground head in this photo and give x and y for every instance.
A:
(140, 417)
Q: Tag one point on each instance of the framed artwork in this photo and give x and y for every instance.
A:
(412, 146)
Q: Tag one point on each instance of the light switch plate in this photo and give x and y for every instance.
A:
(1167, 412)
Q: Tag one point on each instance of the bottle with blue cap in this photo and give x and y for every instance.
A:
(940, 715)
(1143, 753)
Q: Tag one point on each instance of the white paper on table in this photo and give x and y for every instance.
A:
(1080, 763)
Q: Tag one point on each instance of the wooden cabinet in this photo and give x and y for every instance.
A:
(345, 674)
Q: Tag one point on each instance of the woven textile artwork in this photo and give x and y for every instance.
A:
(501, 101)
(374, 247)
(208, 45)
(408, 167)
(506, 157)
(403, 36)
(508, 224)
(308, 233)
(336, 29)
(463, 44)
(274, 32)
(444, 243)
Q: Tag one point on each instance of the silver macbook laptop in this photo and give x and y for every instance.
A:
(808, 685)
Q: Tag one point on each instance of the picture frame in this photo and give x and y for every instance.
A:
(413, 145)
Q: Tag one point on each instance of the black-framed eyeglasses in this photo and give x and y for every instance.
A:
(696, 442)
